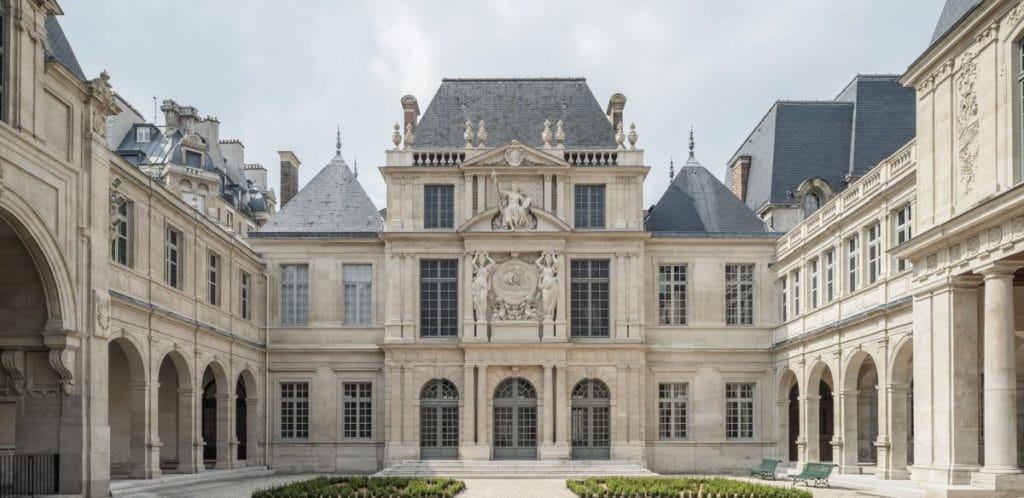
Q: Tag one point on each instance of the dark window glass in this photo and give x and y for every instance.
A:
(589, 298)
(438, 206)
(589, 206)
(439, 297)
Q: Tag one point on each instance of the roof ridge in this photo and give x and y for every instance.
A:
(525, 78)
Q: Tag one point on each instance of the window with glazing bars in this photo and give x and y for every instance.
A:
(589, 206)
(672, 405)
(783, 300)
(852, 262)
(794, 279)
(438, 206)
(739, 294)
(874, 253)
(739, 410)
(589, 295)
(358, 283)
(294, 294)
(439, 297)
(357, 410)
(812, 275)
(672, 295)
(244, 295)
(830, 275)
(172, 258)
(904, 232)
(213, 279)
(295, 410)
(121, 245)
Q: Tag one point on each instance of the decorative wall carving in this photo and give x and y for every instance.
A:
(104, 105)
(62, 359)
(967, 122)
(547, 264)
(515, 291)
(514, 212)
(483, 265)
(13, 362)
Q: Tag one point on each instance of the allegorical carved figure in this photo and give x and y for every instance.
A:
(482, 267)
(547, 263)
(515, 206)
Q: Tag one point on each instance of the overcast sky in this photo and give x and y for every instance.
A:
(283, 76)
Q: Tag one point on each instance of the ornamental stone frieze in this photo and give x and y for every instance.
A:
(963, 253)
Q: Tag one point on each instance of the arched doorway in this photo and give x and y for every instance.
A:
(515, 420)
(439, 420)
(215, 409)
(867, 412)
(591, 420)
(826, 419)
(788, 416)
(241, 417)
(793, 424)
(209, 419)
(126, 408)
(901, 412)
(174, 414)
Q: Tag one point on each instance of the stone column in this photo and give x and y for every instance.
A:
(482, 401)
(894, 464)
(847, 457)
(811, 426)
(782, 429)
(549, 404)
(469, 435)
(561, 411)
(187, 463)
(1000, 374)
(225, 431)
(253, 451)
(145, 440)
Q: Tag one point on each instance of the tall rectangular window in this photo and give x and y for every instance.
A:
(438, 206)
(172, 258)
(589, 206)
(672, 295)
(121, 245)
(739, 294)
(294, 294)
(739, 410)
(357, 410)
(903, 233)
(874, 253)
(245, 296)
(358, 282)
(589, 291)
(794, 278)
(784, 299)
(672, 416)
(812, 276)
(830, 275)
(852, 262)
(213, 279)
(143, 134)
(295, 410)
(439, 298)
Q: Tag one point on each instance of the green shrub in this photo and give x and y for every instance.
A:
(364, 487)
(657, 487)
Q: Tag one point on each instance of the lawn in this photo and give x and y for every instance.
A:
(676, 487)
(364, 487)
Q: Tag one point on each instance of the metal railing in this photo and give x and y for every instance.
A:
(29, 475)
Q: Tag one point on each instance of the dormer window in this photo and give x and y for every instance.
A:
(812, 203)
(193, 159)
(143, 134)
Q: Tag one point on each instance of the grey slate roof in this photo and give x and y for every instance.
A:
(514, 109)
(796, 140)
(162, 148)
(952, 13)
(332, 204)
(696, 204)
(59, 49)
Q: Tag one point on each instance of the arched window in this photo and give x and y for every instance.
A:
(812, 202)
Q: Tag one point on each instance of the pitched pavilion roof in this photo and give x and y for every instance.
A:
(59, 49)
(953, 12)
(332, 204)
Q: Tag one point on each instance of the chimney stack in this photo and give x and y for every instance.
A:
(740, 172)
(616, 104)
(410, 112)
(289, 175)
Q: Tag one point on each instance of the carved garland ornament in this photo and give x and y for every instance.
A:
(967, 123)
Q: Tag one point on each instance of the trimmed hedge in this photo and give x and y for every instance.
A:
(676, 487)
(364, 487)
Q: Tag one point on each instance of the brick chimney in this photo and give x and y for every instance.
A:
(410, 112)
(289, 175)
(616, 104)
(740, 172)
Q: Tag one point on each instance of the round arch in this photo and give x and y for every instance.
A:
(860, 425)
(514, 420)
(591, 420)
(821, 425)
(439, 420)
(126, 408)
(788, 414)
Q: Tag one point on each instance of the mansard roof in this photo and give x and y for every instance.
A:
(953, 12)
(59, 49)
(332, 204)
(832, 139)
(514, 109)
(696, 204)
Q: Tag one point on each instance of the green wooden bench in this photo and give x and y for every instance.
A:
(766, 470)
(814, 474)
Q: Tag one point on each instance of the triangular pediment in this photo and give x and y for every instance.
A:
(545, 222)
(516, 154)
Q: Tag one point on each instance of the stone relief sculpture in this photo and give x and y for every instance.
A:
(515, 290)
(483, 265)
(514, 211)
(547, 264)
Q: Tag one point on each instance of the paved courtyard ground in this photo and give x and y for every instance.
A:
(475, 488)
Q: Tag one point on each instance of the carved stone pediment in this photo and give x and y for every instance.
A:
(516, 154)
(544, 222)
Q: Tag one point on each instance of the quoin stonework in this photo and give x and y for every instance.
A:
(848, 294)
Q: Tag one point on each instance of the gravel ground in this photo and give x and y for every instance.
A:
(475, 488)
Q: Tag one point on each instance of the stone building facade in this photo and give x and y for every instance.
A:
(515, 300)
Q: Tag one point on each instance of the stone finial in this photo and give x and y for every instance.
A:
(691, 143)
(545, 135)
(337, 142)
(560, 134)
(396, 137)
(620, 137)
(468, 134)
(410, 137)
(632, 136)
(355, 167)
(481, 134)
(671, 168)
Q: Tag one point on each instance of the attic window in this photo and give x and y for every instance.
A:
(143, 134)
(194, 159)
(812, 203)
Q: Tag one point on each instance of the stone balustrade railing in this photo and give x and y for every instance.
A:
(459, 156)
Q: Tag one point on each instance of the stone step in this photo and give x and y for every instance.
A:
(129, 487)
(514, 469)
